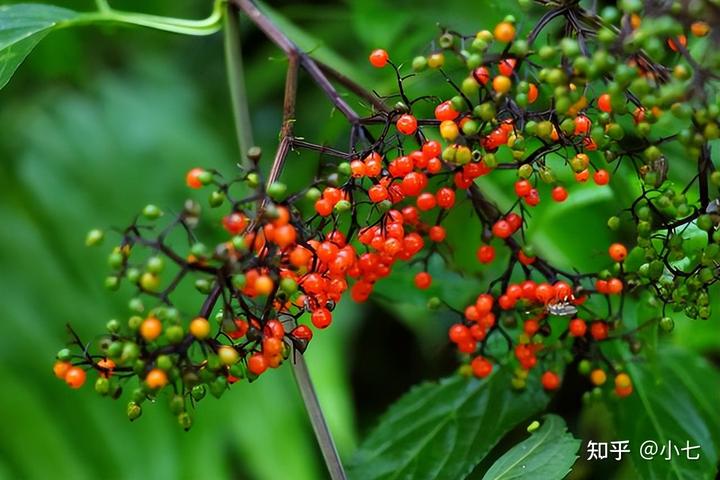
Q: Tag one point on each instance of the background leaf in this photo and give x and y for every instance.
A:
(675, 400)
(548, 454)
(22, 26)
(442, 430)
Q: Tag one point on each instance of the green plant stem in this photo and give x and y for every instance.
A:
(105, 14)
(236, 79)
(317, 419)
(244, 133)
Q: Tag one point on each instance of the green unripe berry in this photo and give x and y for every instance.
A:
(102, 386)
(198, 392)
(419, 63)
(216, 199)
(155, 264)
(177, 404)
(134, 410)
(667, 324)
(344, 168)
(152, 212)
(276, 190)
(149, 282)
(174, 333)
(94, 237)
(113, 326)
(252, 179)
(343, 206)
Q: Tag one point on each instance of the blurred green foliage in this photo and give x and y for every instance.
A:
(100, 121)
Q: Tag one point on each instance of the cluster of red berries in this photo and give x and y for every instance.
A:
(516, 107)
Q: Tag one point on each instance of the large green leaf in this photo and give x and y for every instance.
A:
(675, 400)
(22, 26)
(549, 454)
(443, 430)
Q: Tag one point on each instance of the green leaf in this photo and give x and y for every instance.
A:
(675, 400)
(22, 26)
(443, 430)
(549, 453)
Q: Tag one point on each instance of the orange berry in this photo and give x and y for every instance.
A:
(200, 328)
(61, 369)
(532, 94)
(501, 84)
(151, 328)
(156, 378)
(192, 179)
(504, 32)
(264, 285)
(700, 28)
(598, 377)
(107, 365)
(75, 377)
(604, 103)
(618, 252)
(614, 286)
(257, 363)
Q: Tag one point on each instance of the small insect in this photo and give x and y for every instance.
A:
(562, 307)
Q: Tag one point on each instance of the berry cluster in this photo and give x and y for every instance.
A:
(595, 101)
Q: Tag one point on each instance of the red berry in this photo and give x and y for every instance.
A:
(426, 201)
(459, 333)
(377, 193)
(445, 111)
(618, 252)
(413, 183)
(604, 103)
(550, 380)
(423, 280)
(502, 229)
(378, 58)
(524, 259)
(559, 194)
(257, 363)
(445, 197)
(321, 318)
(544, 292)
(436, 233)
(599, 330)
(303, 332)
(614, 286)
(358, 168)
(481, 367)
(506, 66)
(582, 125)
(532, 198)
(577, 327)
(514, 220)
(323, 207)
(431, 149)
(522, 187)
(486, 253)
(601, 177)
(482, 75)
(406, 124)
